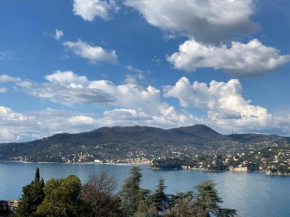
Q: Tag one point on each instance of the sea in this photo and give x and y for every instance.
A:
(251, 194)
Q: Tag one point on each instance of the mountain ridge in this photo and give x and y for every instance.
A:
(135, 142)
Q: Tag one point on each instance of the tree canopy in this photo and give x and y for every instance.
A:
(67, 197)
(32, 197)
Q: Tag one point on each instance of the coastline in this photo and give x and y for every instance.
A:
(267, 173)
(84, 163)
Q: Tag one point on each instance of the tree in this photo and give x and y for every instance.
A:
(37, 175)
(66, 198)
(131, 193)
(207, 201)
(62, 198)
(146, 210)
(204, 204)
(159, 198)
(32, 197)
(98, 192)
(181, 205)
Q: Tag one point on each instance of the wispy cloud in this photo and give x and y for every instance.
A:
(132, 69)
(6, 55)
(58, 34)
(3, 90)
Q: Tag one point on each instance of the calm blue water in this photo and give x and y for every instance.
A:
(252, 194)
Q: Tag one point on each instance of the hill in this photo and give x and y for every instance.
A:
(135, 142)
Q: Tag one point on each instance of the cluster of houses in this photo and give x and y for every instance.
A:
(274, 161)
(240, 168)
(131, 161)
(7, 207)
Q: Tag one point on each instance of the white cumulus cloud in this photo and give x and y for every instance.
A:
(222, 104)
(66, 77)
(94, 54)
(132, 103)
(206, 21)
(8, 114)
(240, 60)
(80, 119)
(89, 9)
(222, 101)
(15, 126)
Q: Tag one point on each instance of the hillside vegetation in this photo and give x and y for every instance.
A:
(135, 142)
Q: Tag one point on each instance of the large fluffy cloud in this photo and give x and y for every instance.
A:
(132, 104)
(15, 126)
(130, 101)
(240, 60)
(69, 88)
(207, 24)
(89, 9)
(167, 117)
(223, 103)
(131, 95)
(206, 21)
(94, 54)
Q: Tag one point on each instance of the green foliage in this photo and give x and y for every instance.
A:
(66, 198)
(283, 169)
(207, 197)
(32, 197)
(207, 201)
(131, 193)
(116, 142)
(37, 175)
(159, 198)
(168, 164)
(62, 198)
(146, 210)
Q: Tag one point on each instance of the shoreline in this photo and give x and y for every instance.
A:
(154, 169)
(84, 163)
(221, 171)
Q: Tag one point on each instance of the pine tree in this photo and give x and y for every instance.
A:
(146, 210)
(37, 175)
(32, 197)
(159, 198)
(207, 201)
(131, 193)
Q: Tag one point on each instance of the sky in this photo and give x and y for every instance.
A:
(74, 66)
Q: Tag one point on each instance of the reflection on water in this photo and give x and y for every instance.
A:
(252, 194)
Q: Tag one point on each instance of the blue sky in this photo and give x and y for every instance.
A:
(72, 66)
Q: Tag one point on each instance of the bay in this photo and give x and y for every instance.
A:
(251, 194)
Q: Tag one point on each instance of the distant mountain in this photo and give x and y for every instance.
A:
(135, 142)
